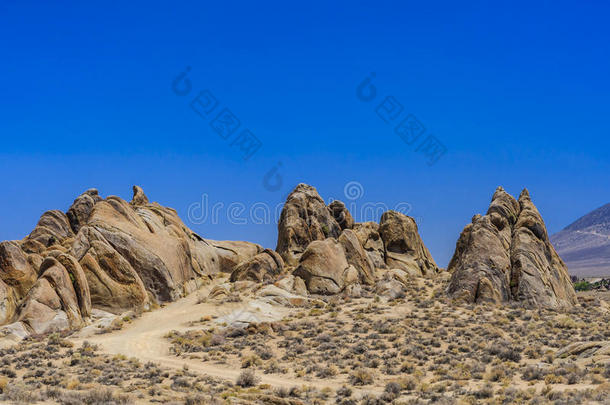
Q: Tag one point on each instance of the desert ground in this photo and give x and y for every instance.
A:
(418, 348)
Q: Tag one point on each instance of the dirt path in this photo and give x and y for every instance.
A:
(143, 338)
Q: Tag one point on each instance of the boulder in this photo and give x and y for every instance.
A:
(79, 282)
(232, 253)
(139, 198)
(404, 248)
(341, 214)
(368, 235)
(304, 219)
(78, 214)
(8, 303)
(357, 257)
(16, 271)
(277, 296)
(263, 267)
(51, 305)
(324, 267)
(389, 289)
(506, 255)
(292, 284)
(53, 227)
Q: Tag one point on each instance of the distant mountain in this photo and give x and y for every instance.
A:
(585, 244)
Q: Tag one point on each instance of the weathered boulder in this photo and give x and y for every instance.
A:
(52, 303)
(278, 296)
(52, 228)
(113, 283)
(78, 214)
(8, 303)
(15, 269)
(292, 284)
(506, 255)
(404, 248)
(368, 235)
(357, 257)
(324, 267)
(263, 267)
(389, 289)
(304, 219)
(341, 214)
(79, 282)
(139, 198)
(232, 253)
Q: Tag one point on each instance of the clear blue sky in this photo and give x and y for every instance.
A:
(517, 93)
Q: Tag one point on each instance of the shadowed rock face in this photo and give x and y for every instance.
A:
(108, 254)
(506, 255)
(404, 248)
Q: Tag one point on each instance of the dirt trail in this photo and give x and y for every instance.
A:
(143, 338)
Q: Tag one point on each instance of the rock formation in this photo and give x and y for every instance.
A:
(331, 252)
(368, 235)
(341, 214)
(107, 254)
(304, 219)
(324, 267)
(506, 255)
(404, 248)
(263, 267)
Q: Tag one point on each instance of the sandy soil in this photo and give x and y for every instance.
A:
(144, 338)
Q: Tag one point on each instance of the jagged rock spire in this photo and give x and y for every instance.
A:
(139, 198)
(506, 255)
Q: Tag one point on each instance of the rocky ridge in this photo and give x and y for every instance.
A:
(116, 256)
(106, 254)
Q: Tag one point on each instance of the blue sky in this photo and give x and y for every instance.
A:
(517, 93)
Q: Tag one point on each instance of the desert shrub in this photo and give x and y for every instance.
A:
(251, 361)
(20, 394)
(361, 376)
(485, 391)
(327, 372)
(247, 379)
(99, 396)
(393, 387)
(496, 374)
(505, 351)
(582, 285)
(532, 373)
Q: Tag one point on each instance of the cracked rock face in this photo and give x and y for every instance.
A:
(506, 255)
(106, 254)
